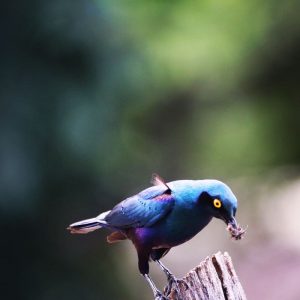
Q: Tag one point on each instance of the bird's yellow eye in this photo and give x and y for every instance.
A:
(217, 203)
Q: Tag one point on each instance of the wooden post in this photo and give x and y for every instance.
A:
(214, 279)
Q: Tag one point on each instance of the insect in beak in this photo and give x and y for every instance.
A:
(236, 231)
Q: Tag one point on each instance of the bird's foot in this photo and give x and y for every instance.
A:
(173, 283)
(160, 296)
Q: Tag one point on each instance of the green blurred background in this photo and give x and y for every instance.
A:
(98, 95)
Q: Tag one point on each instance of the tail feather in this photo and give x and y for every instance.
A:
(88, 225)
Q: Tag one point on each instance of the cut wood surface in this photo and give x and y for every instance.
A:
(214, 279)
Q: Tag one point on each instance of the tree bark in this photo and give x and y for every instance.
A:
(214, 279)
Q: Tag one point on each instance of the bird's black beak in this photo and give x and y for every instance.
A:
(235, 230)
(232, 222)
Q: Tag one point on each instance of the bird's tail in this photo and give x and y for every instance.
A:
(89, 225)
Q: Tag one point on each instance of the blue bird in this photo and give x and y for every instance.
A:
(164, 216)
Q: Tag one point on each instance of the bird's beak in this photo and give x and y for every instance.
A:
(236, 231)
(232, 222)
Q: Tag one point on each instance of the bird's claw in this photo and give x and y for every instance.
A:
(172, 283)
(173, 288)
(160, 296)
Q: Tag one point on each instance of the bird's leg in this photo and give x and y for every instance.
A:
(143, 254)
(157, 294)
(171, 278)
(169, 275)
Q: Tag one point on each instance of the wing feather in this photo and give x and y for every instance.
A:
(143, 209)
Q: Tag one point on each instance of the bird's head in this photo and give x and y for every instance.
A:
(220, 202)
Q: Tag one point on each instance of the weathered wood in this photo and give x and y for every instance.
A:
(214, 279)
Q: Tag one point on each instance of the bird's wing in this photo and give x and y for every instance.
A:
(143, 209)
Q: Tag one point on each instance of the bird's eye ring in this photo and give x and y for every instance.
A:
(217, 203)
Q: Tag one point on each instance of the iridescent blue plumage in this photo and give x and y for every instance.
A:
(142, 210)
(165, 215)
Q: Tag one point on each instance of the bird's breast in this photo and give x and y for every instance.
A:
(178, 227)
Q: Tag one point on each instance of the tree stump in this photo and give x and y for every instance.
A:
(214, 279)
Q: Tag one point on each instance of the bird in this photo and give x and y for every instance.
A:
(163, 216)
